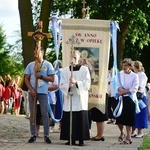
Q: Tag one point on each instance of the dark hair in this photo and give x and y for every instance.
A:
(127, 61)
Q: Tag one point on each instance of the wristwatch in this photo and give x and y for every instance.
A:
(41, 76)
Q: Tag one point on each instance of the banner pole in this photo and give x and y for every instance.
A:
(71, 94)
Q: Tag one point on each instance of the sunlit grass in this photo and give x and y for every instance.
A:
(146, 143)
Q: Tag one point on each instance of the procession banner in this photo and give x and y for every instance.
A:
(92, 39)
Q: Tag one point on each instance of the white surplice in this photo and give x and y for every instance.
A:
(80, 90)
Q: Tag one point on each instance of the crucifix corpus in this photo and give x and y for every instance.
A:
(38, 36)
(72, 42)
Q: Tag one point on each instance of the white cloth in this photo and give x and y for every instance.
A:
(25, 95)
(142, 82)
(129, 81)
(80, 93)
(53, 95)
(110, 90)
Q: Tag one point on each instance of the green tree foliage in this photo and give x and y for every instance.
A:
(9, 61)
(2, 38)
(132, 15)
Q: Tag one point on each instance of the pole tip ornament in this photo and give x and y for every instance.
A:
(85, 11)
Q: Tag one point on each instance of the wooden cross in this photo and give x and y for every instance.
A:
(38, 36)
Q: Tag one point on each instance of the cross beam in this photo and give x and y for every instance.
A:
(38, 35)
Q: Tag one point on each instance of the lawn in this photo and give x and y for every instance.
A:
(146, 143)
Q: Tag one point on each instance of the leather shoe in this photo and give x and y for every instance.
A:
(68, 143)
(81, 143)
(32, 139)
(47, 140)
(100, 139)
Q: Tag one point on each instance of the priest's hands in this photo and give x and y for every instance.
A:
(72, 82)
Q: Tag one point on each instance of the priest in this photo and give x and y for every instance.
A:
(77, 79)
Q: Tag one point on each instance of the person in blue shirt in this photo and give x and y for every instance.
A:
(37, 76)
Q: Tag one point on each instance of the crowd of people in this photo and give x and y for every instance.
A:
(10, 95)
(129, 108)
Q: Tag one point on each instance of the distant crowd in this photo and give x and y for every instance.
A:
(10, 95)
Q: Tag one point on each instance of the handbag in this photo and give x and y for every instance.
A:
(139, 95)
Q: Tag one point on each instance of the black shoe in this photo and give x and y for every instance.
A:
(81, 143)
(100, 139)
(47, 140)
(68, 143)
(32, 139)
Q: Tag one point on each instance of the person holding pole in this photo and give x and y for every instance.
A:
(37, 83)
(75, 78)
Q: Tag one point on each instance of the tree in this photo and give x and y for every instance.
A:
(3, 53)
(26, 21)
(10, 62)
(2, 38)
(132, 15)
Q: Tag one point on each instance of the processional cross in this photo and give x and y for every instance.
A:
(83, 9)
(71, 41)
(38, 36)
(87, 14)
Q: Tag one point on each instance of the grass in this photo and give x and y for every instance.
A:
(146, 143)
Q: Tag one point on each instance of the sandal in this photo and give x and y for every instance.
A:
(126, 142)
(133, 135)
(121, 137)
(111, 122)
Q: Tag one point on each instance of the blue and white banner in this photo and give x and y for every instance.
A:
(56, 31)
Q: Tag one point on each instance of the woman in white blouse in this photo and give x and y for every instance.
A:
(142, 117)
(127, 87)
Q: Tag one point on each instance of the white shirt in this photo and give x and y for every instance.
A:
(129, 81)
(142, 81)
(53, 95)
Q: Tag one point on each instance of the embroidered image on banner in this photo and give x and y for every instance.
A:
(90, 58)
(92, 39)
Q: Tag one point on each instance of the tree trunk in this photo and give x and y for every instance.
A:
(44, 16)
(121, 43)
(26, 23)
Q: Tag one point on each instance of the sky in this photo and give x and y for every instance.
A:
(9, 18)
